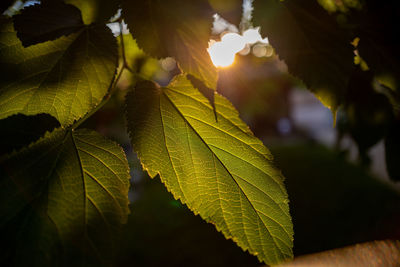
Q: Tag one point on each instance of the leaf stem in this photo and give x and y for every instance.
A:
(107, 97)
(125, 62)
(113, 85)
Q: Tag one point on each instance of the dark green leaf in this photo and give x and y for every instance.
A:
(231, 10)
(219, 169)
(392, 151)
(368, 114)
(180, 29)
(39, 23)
(314, 47)
(19, 130)
(31, 239)
(78, 180)
(65, 78)
(380, 38)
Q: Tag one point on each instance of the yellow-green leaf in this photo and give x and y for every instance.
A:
(65, 78)
(218, 168)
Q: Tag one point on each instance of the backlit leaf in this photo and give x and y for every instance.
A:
(39, 23)
(180, 29)
(20, 130)
(96, 10)
(218, 168)
(78, 180)
(314, 47)
(137, 59)
(65, 78)
(392, 154)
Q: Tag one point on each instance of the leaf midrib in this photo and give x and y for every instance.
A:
(227, 133)
(46, 72)
(223, 165)
(83, 181)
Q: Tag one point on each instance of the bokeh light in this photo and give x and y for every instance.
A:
(168, 64)
(223, 52)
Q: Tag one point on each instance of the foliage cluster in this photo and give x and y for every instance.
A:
(65, 188)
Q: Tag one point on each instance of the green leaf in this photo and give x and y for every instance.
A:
(180, 29)
(230, 10)
(392, 154)
(96, 10)
(19, 130)
(219, 169)
(39, 23)
(205, 91)
(34, 244)
(366, 111)
(137, 59)
(378, 31)
(64, 78)
(314, 47)
(80, 178)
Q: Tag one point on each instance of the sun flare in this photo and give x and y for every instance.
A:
(223, 52)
